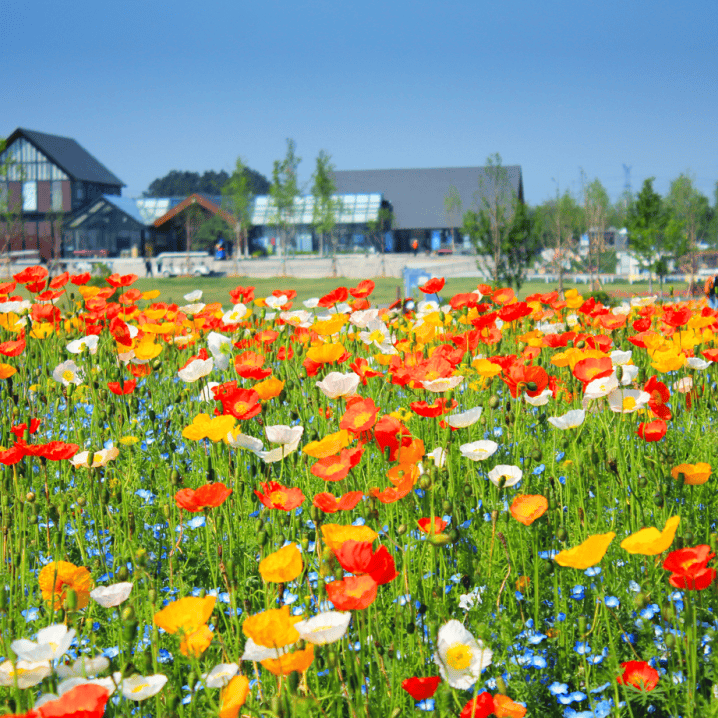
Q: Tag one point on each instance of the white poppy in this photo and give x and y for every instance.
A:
(460, 656)
(622, 309)
(83, 667)
(282, 434)
(438, 456)
(683, 386)
(68, 373)
(326, 627)
(630, 372)
(598, 388)
(235, 314)
(643, 301)
(540, 399)
(139, 688)
(108, 683)
(312, 303)
(16, 307)
(220, 675)
(220, 347)
(113, 595)
(336, 384)
(254, 652)
(697, 363)
(196, 369)
(193, 296)
(237, 440)
(274, 455)
(99, 458)
(465, 418)
(510, 474)
(297, 318)
(627, 401)
(362, 318)
(570, 420)
(620, 357)
(479, 450)
(52, 643)
(276, 302)
(88, 343)
(440, 385)
(192, 309)
(207, 394)
(27, 673)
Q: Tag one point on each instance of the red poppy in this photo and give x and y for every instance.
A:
(124, 280)
(390, 432)
(361, 368)
(240, 403)
(480, 707)
(466, 299)
(20, 429)
(340, 294)
(130, 296)
(711, 354)
(45, 313)
(12, 348)
(31, 274)
(84, 701)
(358, 557)
(58, 450)
(285, 353)
(434, 285)
(421, 688)
(120, 331)
(276, 496)
(59, 281)
(140, 370)
(359, 416)
(689, 568)
(394, 493)
(642, 325)
(13, 455)
(639, 675)
(438, 525)
(520, 378)
(207, 496)
(354, 593)
(439, 407)
(249, 366)
(330, 504)
(47, 296)
(586, 370)
(677, 317)
(363, 289)
(120, 388)
(659, 396)
(336, 468)
(241, 294)
(7, 288)
(80, 279)
(512, 312)
(653, 430)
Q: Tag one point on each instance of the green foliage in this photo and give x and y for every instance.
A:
(239, 194)
(209, 233)
(177, 183)
(326, 207)
(283, 191)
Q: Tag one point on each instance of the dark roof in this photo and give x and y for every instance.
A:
(417, 195)
(89, 213)
(67, 154)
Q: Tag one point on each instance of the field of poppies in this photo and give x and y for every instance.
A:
(488, 507)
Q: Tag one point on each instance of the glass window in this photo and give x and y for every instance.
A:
(29, 196)
(80, 193)
(57, 196)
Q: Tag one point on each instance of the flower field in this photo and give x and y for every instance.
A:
(491, 507)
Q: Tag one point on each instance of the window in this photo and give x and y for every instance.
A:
(57, 196)
(29, 196)
(80, 193)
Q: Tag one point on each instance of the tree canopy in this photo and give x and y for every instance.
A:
(179, 183)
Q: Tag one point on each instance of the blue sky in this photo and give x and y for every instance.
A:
(553, 86)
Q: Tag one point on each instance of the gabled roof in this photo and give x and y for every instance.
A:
(418, 196)
(99, 206)
(202, 202)
(67, 154)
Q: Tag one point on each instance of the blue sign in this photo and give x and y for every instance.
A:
(435, 239)
(389, 241)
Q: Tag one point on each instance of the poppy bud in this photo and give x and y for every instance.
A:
(401, 529)
(140, 556)
(3, 599)
(494, 402)
(670, 640)
(619, 373)
(123, 574)
(30, 497)
(71, 599)
(439, 539)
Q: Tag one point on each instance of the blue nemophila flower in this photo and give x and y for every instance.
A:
(557, 689)
(196, 522)
(633, 586)
(612, 602)
(593, 571)
(582, 648)
(536, 638)
(578, 592)
(146, 495)
(574, 697)
(426, 705)
(31, 614)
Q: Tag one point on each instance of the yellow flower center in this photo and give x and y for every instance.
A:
(459, 656)
(140, 687)
(629, 403)
(68, 375)
(97, 458)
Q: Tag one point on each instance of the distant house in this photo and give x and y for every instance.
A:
(44, 178)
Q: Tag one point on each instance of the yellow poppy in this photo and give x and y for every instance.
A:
(57, 577)
(587, 554)
(326, 353)
(269, 388)
(6, 371)
(234, 697)
(272, 629)
(650, 541)
(203, 427)
(329, 445)
(288, 662)
(283, 565)
(186, 614)
(335, 534)
(693, 474)
(197, 642)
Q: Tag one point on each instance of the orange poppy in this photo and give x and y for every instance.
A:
(352, 593)
(336, 468)
(526, 508)
(330, 504)
(288, 662)
(432, 527)
(57, 577)
(360, 416)
(276, 496)
(586, 370)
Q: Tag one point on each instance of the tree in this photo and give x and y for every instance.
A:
(689, 221)
(452, 209)
(283, 191)
(239, 194)
(596, 205)
(326, 206)
(561, 219)
(646, 224)
(177, 183)
(209, 232)
(502, 227)
(377, 228)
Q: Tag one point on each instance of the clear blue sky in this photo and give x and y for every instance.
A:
(554, 86)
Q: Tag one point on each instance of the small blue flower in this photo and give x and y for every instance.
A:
(578, 592)
(557, 689)
(612, 602)
(582, 648)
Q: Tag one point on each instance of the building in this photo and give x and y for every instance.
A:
(426, 205)
(44, 178)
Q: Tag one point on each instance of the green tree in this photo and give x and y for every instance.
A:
(283, 191)
(452, 209)
(561, 221)
(326, 205)
(596, 206)
(179, 183)
(646, 224)
(688, 223)
(377, 228)
(209, 232)
(503, 227)
(239, 195)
